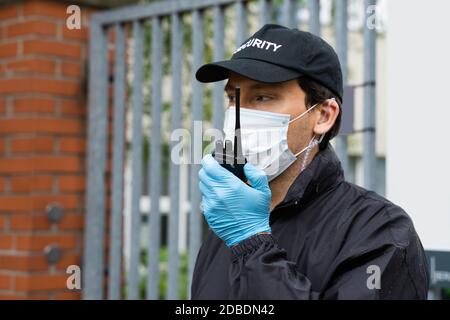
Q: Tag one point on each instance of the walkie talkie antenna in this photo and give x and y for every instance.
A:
(237, 127)
(232, 159)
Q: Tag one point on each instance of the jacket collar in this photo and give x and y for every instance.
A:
(323, 172)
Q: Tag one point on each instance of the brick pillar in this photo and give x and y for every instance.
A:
(42, 147)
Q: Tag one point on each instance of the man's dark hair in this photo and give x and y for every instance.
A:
(316, 93)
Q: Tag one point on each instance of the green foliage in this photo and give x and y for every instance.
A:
(446, 294)
(163, 262)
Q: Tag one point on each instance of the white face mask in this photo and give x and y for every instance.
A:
(264, 139)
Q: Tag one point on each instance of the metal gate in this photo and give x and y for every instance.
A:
(152, 92)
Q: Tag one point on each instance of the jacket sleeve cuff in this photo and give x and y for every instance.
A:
(251, 244)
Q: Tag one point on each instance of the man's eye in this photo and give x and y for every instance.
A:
(231, 98)
(262, 98)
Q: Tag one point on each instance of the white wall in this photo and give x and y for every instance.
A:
(418, 115)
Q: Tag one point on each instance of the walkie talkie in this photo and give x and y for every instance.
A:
(232, 159)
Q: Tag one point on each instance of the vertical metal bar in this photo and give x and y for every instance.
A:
(174, 174)
(289, 10)
(133, 272)
(241, 22)
(314, 16)
(341, 48)
(95, 196)
(342, 36)
(115, 250)
(218, 55)
(195, 222)
(369, 159)
(265, 7)
(155, 162)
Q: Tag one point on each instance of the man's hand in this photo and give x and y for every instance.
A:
(234, 210)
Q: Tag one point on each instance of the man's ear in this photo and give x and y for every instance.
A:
(328, 113)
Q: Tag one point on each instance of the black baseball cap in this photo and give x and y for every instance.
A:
(276, 54)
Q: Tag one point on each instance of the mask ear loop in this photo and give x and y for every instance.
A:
(318, 141)
(301, 115)
(308, 110)
(321, 138)
(312, 143)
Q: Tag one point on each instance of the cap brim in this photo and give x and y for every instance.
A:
(253, 69)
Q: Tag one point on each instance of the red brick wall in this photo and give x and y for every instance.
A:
(42, 146)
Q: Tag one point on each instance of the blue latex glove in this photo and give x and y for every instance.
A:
(234, 210)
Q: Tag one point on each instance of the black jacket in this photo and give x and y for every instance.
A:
(330, 239)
